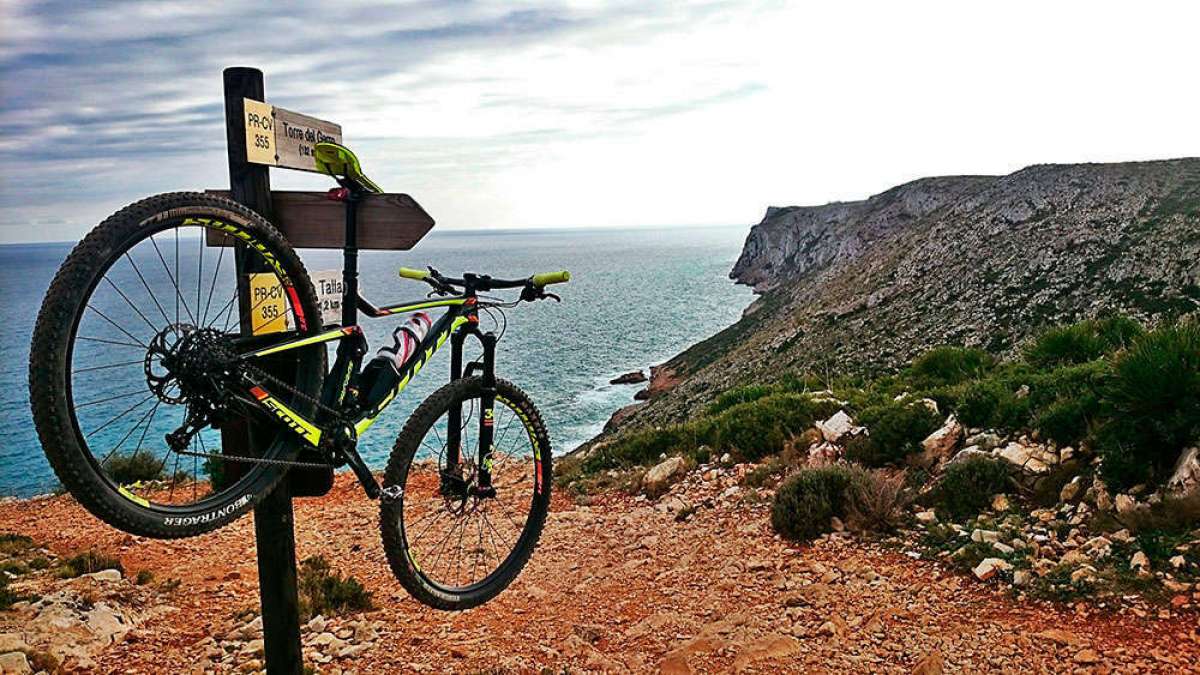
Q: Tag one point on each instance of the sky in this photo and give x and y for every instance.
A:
(587, 114)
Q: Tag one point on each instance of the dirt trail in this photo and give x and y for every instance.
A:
(621, 586)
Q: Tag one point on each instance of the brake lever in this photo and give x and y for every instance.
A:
(551, 296)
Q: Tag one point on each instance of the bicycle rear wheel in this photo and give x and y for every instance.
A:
(450, 548)
(136, 338)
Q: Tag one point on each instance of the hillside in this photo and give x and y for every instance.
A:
(983, 261)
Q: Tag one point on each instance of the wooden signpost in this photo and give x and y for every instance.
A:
(259, 136)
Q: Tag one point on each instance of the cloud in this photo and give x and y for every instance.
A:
(569, 112)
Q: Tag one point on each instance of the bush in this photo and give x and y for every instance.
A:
(876, 500)
(754, 430)
(993, 403)
(1066, 420)
(736, 396)
(1155, 387)
(949, 365)
(967, 487)
(325, 592)
(133, 467)
(1082, 342)
(807, 501)
(88, 562)
(896, 431)
(7, 596)
(13, 543)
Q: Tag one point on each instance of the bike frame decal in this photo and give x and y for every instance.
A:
(533, 441)
(292, 419)
(335, 334)
(419, 362)
(429, 304)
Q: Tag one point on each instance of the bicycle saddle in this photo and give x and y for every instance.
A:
(337, 160)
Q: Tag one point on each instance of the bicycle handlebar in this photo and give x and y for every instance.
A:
(484, 282)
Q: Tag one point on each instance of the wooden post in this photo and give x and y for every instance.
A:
(273, 525)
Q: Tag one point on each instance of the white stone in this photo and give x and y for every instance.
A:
(940, 444)
(1139, 561)
(663, 474)
(1025, 458)
(985, 536)
(15, 663)
(838, 427)
(1186, 476)
(105, 575)
(927, 517)
(1125, 504)
(989, 567)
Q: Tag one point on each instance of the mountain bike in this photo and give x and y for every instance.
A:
(186, 319)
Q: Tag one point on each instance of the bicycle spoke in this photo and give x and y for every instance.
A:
(199, 276)
(145, 285)
(106, 367)
(118, 327)
(130, 303)
(106, 400)
(119, 416)
(109, 342)
(178, 294)
(126, 437)
(213, 286)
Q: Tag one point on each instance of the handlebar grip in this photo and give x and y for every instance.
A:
(548, 278)
(410, 273)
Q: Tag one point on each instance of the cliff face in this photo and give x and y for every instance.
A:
(973, 260)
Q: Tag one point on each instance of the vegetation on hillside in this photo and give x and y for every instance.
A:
(1108, 385)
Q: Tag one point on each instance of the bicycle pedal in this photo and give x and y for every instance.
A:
(391, 493)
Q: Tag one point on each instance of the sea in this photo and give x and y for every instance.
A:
(637, 297)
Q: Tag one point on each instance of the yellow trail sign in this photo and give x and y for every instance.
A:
(278, 137)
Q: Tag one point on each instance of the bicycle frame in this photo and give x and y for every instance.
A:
(460, 320)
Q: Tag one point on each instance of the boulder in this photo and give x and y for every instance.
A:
(16, 663)
(940, 445)
(823, 454)
(1186, 475)
(990, 567)
(1029, 459)
(634, 377)
(1071, 491)
(984, 441)
(966, 454)
(658, 479)
(105, 575)
(838, 427)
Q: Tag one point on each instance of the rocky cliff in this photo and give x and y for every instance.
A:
(972, 260)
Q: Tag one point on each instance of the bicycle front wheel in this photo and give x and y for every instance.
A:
(450, 547)
(136, 340)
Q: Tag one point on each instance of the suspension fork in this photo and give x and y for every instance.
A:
(487, 428)
(454, 418)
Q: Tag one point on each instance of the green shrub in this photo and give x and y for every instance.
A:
(805, 503)
(1155, 390)
(967, 487)
(13, 543)
(144, 577)
(736, 396)
(325, 592)
(126, 469)
(896, 431)
(1066, 420)
(993, 403)
(88, 562)
(949, 365)
(754, 430)
(1082, 342)
(7, 596)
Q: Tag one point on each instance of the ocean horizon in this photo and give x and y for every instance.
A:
(638, 296)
